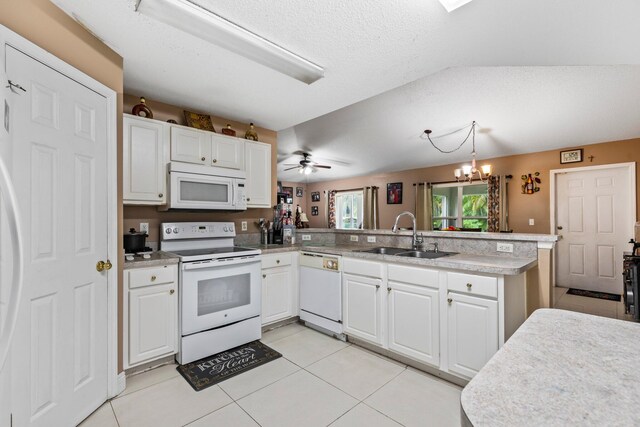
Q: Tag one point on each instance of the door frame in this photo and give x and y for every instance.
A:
(631, 176)
(115, 384)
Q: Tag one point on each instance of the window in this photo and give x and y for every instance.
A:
(349, 210)
(460, 205)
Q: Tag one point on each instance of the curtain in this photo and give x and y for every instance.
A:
(497, 210)
(371, 215)
(331, 209)
(424, 206)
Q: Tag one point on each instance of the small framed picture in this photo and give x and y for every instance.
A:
(571, 156)
(394, 193)
(314, 211)
(289, 192)
(298, 191)
(315, 196)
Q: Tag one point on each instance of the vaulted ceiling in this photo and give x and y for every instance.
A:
(535, 74)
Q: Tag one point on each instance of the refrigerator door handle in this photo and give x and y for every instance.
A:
(13, 218)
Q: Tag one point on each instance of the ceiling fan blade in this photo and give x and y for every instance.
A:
(295, 167)
(322, 166)
(291, 164)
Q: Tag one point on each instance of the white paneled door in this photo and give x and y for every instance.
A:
(59, 356)
(593, 217)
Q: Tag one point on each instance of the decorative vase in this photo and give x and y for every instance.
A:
(142, 110)
(251, 133)
(228, 131)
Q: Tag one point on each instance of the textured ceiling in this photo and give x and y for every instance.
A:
(369, 48)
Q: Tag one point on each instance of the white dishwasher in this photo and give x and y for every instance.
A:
(321, 292)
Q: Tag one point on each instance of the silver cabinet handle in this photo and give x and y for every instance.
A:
(160, 195)
(449, 300)
(377, 287)
(469, 285)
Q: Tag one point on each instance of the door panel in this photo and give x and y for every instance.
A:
(60, 172)
(363, 308)
(276, 294)
(593, 218)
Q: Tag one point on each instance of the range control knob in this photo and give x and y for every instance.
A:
(175, 230)
(231, 229)
(226, 229)
(168, 231)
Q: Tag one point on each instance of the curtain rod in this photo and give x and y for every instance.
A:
(352, 189)
(451, 182)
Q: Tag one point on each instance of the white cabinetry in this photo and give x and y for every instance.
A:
(279, 287)
(472, 332)
(414, 320)
(364, 300)
(151, 314)
(206, 148)
(258, 168)
(145, 157)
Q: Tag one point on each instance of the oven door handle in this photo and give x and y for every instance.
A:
(223, 262)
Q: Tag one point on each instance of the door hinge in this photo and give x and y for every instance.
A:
(13, 86)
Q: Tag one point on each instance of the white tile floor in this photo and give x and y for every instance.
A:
(319, 381)
(599, 307)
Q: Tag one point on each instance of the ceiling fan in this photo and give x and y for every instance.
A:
(306, 166)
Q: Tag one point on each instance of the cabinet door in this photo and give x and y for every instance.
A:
(258, 168)
(364, 303)
(153, 323)
(144, 161)
(227, 152)
(190, 145)
(414, 326)
(473, 333)
(277, 290)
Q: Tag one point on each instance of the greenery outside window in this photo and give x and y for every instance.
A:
(460, 205)
(349, 210)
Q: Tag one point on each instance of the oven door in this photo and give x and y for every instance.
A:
(217, 293)
(195, 191)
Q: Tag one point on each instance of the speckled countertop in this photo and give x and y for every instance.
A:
(560, 368)
(157, 258)
(476, 263)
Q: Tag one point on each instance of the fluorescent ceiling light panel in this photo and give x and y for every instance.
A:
(195, 20)
(452, 5)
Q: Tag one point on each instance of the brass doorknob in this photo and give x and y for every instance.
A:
(101, 265)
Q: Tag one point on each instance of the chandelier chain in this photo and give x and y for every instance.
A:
(471, 132)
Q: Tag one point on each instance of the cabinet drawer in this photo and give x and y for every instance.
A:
(414, 275)
(362, 268)
(276, 260)
(152, 276)
(473, 284)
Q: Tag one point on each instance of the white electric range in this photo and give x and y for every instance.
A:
(219, 288)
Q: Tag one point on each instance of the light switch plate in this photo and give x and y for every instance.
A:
(306, 237)
(532, 221)
(354, 238)
(371, 239)
(505, 247)
(243, 225)
(144, 227)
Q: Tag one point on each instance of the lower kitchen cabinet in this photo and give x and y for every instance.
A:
(151, 314)
(364, 307)
(414, 326)
(472, 333)
(279, 287)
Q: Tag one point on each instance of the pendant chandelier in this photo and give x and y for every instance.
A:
(466, 172)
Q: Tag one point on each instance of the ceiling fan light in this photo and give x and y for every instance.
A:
(307, 170)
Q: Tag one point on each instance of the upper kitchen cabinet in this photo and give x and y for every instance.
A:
(258, 168)
(145, 156)
(206, 148)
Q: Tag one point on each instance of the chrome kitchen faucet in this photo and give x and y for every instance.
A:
(417, 238)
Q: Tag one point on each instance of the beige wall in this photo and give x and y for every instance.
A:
(134, 215)
(521, 206)
(42, 23)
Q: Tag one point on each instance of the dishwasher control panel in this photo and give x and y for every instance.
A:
(330, 263)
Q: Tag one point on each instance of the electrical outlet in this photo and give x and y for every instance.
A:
(371, 239)
(354, 238)
(243, 225)
(532, 221)
(144, 227)
(306, 237)
(505, 247)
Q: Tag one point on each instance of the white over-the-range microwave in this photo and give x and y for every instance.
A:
(205, 187)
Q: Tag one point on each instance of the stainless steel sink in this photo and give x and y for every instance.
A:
(425, 254)
(384, 251)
